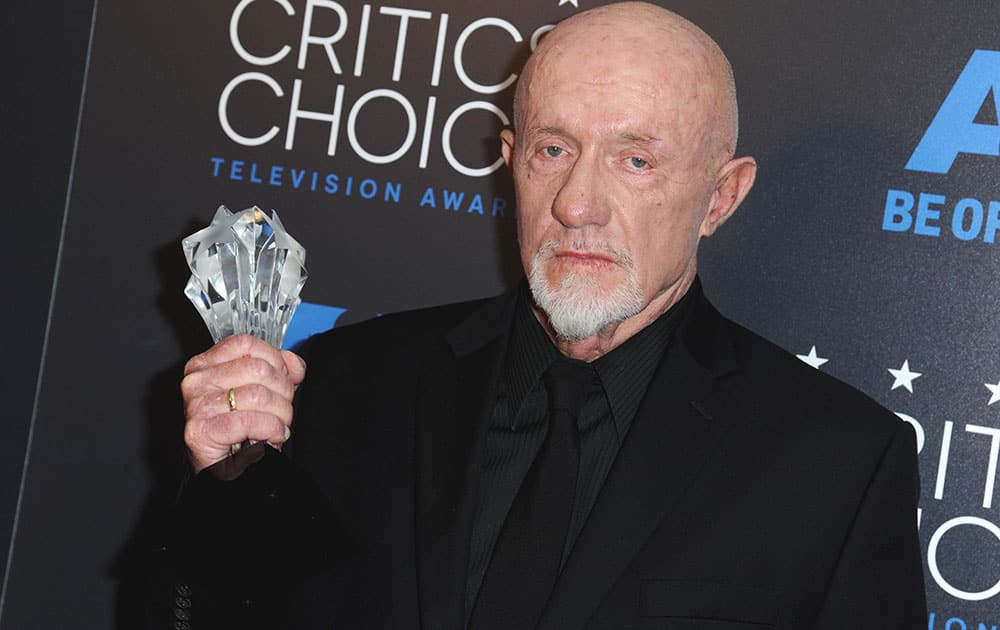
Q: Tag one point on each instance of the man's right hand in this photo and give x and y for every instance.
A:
(262, 380)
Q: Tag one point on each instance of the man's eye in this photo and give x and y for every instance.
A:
(639, 163)
(553, 151)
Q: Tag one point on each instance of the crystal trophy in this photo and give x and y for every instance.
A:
(246, 274)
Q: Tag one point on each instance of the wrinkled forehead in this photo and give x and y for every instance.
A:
(659, 74)
(669, 54)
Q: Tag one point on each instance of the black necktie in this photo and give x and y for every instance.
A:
(529, 550)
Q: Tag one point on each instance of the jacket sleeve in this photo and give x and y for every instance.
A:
(243, 537)
(878, 581)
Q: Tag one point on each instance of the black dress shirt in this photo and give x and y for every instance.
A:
(519, 423)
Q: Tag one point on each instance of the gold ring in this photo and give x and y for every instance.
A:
(231, 399)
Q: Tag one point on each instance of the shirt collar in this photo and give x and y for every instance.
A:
(625, 372)
(529, 353)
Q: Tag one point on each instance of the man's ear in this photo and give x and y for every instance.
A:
(507, 146)
(735, 180)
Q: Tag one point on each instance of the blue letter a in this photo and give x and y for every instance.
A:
(954, 129)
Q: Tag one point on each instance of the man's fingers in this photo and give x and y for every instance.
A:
(237, 373)
(246, 398)
(256, 398)
(295, 365)
(236, 347)
(238, 426)
(209, 440)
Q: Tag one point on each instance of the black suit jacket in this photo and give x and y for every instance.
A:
(752, 491)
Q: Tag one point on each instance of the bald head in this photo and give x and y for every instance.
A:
(655, 46)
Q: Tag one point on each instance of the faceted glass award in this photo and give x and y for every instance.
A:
(246, 274)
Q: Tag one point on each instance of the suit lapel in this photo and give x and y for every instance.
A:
(455, 396)
(681, 417)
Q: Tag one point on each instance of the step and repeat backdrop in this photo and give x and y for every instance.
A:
(868, 247)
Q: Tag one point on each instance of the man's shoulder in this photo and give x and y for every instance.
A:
(404, 332)
(780, 385)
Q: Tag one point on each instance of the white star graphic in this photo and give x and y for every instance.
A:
(573, 2)
(812, 359)
(904, 377)
(994, 392)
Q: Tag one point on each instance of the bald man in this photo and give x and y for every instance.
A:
(599, 448)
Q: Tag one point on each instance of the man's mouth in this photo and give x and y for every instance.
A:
(585, 258)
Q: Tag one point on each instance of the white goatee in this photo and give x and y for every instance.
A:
(578, 308)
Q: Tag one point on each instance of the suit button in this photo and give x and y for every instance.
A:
(183, 590)
(182, 602)
(182, 625)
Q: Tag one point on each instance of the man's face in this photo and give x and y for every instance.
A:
(613, 170)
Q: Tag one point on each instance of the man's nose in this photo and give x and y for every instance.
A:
(582, 200)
